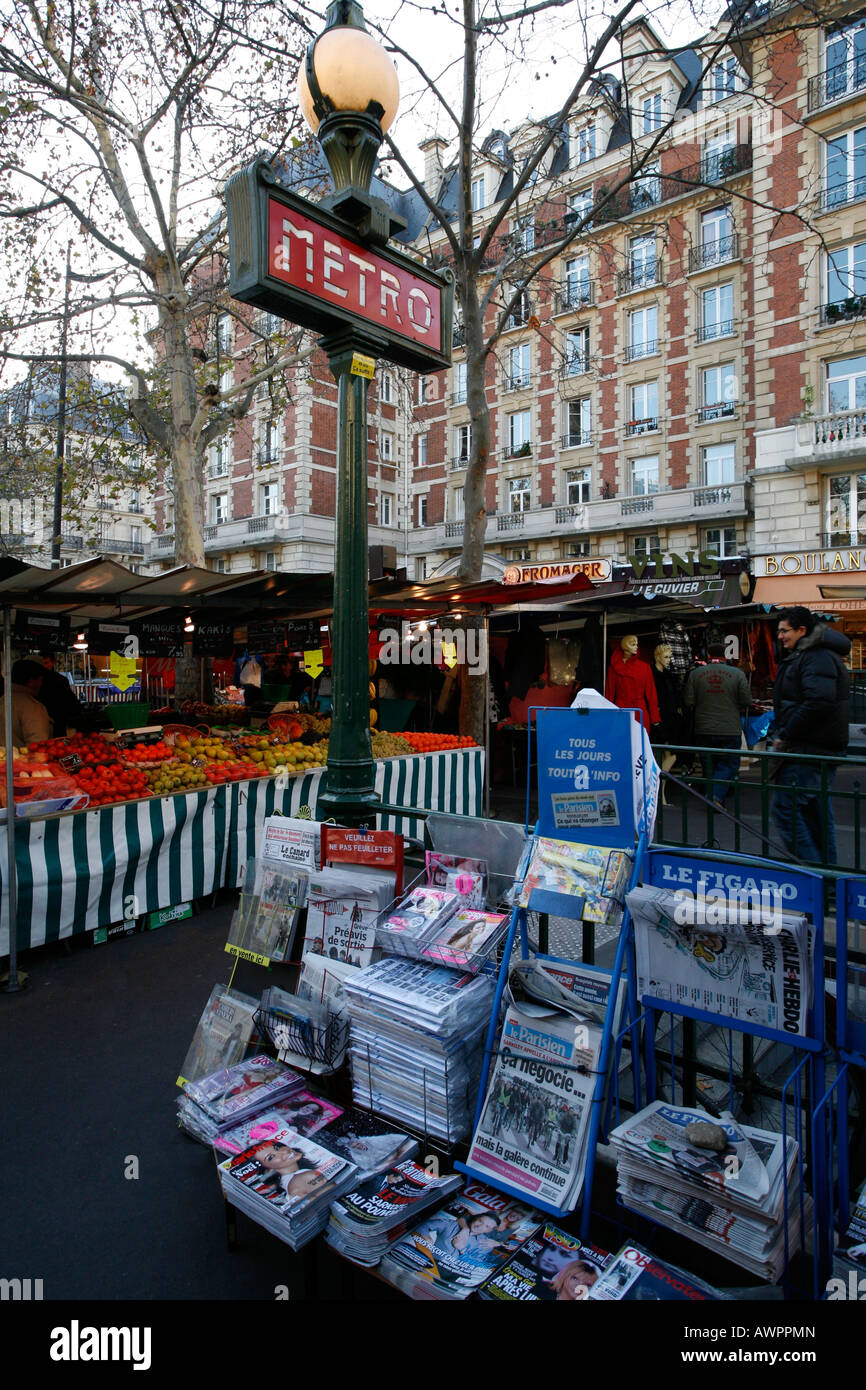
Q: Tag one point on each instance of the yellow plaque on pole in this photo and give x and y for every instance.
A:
(313, 662)
(362, 366)
(122, 671)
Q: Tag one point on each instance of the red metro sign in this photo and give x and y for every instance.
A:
(304, 264)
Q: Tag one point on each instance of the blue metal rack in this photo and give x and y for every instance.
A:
(850, 1030)
(568, 785)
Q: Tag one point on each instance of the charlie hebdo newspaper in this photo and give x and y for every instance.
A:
(727, 959)
(532, 1130)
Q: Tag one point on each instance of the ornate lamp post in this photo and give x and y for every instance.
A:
(348, 92)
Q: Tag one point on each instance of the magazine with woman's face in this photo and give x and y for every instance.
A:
(287, 1170)
(303, 1112)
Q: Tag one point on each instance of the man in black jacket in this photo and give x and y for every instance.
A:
(810, 698)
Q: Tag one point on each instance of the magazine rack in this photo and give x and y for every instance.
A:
(596, 785)
(816, 1107)
(850, 1010)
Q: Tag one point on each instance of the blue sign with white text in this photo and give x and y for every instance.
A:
(586, 776)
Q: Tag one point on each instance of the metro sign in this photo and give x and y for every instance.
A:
(300, 262)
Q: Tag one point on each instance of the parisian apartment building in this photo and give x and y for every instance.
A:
(688, 375)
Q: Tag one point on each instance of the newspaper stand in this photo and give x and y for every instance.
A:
(850, 1027)
(591, 790)
(816, 1107)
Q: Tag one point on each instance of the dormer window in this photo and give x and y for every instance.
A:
(586, 144)
(652, 112)
(478, 193)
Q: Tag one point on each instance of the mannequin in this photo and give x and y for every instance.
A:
(630, 682)
(668, 694)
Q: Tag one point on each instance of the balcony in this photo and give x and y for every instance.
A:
(575, 439)
(459, 397)
(722, 410)
(520, 382)
(570, 513)
(844, 310)
(453, 529)
(708, 332)
(838, 82)
(842, 429)
(458, 463)
(635, 351)
(646, 426)
(112, 545)
(71, 540)
(638, 278)
(243, 533)
(840, 194)
(136, 508)
(712, 170)
(712, 253)
(266, 456)
(517, 451)
(458, 335)
(218, 470)
(165, 542)
(575, 364)
(511, 521)
(812, 443)
(573, 295)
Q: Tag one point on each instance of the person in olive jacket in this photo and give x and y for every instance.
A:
(811, 703)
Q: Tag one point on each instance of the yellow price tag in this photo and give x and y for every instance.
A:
(449, 654)
(122, 670)
(314, 662)
(362, 366)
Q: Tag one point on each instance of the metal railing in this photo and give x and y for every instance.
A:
(645, 426)
(840, 310)
(722, 410)
(838, 195)
(462, 461)
(662, 188)
(575, 364)
(575, 439)
(638, 278)
(519, 382)
(836, 82)
(747, 825)
(459, 397)
(577, 295)
(710, 331)
(715, 252)
(646, 349)
(518, 451)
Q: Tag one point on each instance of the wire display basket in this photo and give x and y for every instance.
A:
(311, 1045)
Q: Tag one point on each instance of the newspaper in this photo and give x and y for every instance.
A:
(596, 874)
(532, 1131)
(636, 1274)
(736, 964)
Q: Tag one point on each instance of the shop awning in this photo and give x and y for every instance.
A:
(826, 593)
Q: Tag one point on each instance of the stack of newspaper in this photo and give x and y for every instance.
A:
(552, 1267)
(636, 1275)
(451, 1254)
(344, 907)
(415, 1045)
(365, 1222)
(732, 1202)
(533, 1127)
(286, 1183)
(728, 956)
(229, 1096)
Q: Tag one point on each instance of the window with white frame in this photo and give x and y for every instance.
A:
(647, 186)
(219, 457)
(268, 323)
(458, 507)
(219, 565)
(525, 232)
(520, 554)
(458, 394)
(575, 550)
(134, 539)
(269, 441)
(645, 475)
(420, 569)
(644, 407)
(223, 333)
(520, 311)
(717, 236)
(387, 388)
(578, 486)
(576, 352)
(478, 193)
(720, 464)
(578, 422)
(586, 144)
(219, 506)
(645, 545)
(269, 560)
(134, 500)
(643, 332)
(422, 509)
(519, 494)
(651, 112)
(422, 450)
(519, 432)
(845, 168)
(462, 443)
(723, 79)
(717, 157)
(642, 266)
(720, 541)
(386, 509)
(267, 499)
(386, 447)
(227, 376)
(580, 206)
(517, 367)
(845, 58)
(717, 312)
(846, 384)
(845, 509)
(845, 280)
(576, 283)
(718, 391)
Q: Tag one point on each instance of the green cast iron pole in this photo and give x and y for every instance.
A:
(349, 794)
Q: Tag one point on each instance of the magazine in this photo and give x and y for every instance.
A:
(286, 1184)
(391, 1197)
(454, 874)
(264, 923)
(415, 918)
(222, 1036)
(450, 1255)
(466, 939)
(598, 875)
(852, 1246)
(552, 1267)
(366, 1141)
(303, 1111)
(636, 1275)
(740, 966)
(532, 1130)
(232, 1093)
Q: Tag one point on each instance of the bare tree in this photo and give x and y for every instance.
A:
(120, 126)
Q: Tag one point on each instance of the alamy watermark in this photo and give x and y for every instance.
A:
(444, 646)
(717, 908)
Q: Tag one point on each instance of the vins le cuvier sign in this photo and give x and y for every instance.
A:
(304, 264)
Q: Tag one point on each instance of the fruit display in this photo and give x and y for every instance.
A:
(390, 745)
(437, 743)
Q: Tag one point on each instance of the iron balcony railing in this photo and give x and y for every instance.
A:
(518, 382)
(575, 439)
(458, 335)
(575, 364)
(639, 278)
(648, 348)
(840, 310)
(838, 193)
(461, 461)
(841, 80)
(574, 294)
(722, 410)
(708, 332)
(518, 451)
(662, 188)
(645, 426)
(715, 252)
(520, 316)
(458, 397)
